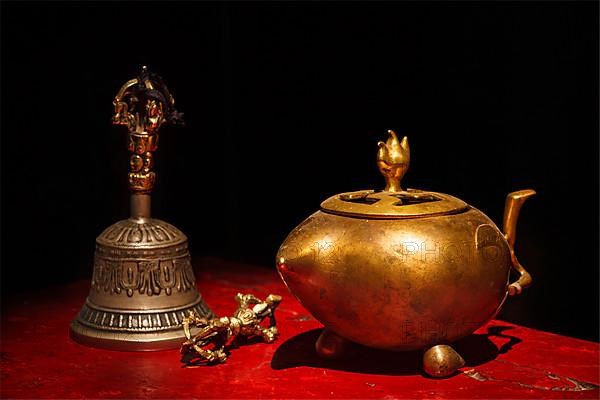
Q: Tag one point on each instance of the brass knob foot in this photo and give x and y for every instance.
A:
(442, 361)
(330, 346)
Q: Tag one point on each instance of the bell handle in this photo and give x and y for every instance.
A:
(514, 202)
(143, 104)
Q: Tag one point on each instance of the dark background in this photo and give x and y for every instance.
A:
(284, 105)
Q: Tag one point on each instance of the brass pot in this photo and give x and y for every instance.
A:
(402, 269)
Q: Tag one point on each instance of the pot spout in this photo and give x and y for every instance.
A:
(514, 202)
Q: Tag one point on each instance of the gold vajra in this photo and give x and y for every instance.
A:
(212, 338)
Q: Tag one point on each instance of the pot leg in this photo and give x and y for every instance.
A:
(441, 361)
(329, 345)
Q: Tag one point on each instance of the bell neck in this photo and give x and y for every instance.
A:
(140, 207)
(143, 104)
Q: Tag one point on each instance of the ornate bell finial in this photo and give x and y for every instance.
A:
(393, 159)
(143, 105)
(143, 285)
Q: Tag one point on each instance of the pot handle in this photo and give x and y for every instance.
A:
(514, 202)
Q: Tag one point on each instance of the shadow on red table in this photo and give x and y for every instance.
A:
(299, 350)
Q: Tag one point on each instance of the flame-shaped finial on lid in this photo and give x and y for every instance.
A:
(393, 159)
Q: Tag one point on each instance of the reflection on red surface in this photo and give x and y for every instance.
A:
(39, 360)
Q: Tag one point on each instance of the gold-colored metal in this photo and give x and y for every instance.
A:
(393, 159)
(143, 104)
(410, 203)
(210, 343)
(441, 361)
(514, 202)
(331, 346)
(143, 285)
(401, 269)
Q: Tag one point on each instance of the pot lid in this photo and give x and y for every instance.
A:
(393, 159)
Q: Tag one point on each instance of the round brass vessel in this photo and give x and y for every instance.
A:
(402, 269)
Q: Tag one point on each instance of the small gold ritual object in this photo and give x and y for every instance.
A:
(143, 284)
(212, 337)
(429, 268)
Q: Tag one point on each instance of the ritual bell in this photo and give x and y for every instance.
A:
(143, 285)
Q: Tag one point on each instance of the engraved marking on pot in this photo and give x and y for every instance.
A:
(322, 248)
(289, 252)
(488, 242)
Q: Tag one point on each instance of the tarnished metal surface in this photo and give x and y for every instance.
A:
(398, 284)
(143, 285)
(401, 269)
(411, 203)
(441, 361)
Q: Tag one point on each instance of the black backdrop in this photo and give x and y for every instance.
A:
(284, 105)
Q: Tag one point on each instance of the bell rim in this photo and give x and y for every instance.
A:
(120, 341)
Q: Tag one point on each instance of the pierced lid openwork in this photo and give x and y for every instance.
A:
(393, 159)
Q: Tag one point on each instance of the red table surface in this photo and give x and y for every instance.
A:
(504, 360)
